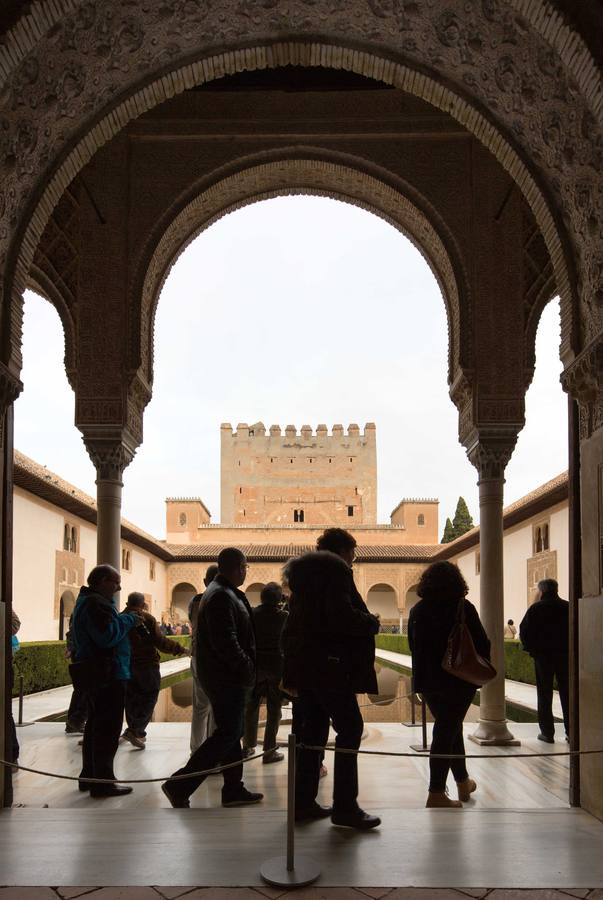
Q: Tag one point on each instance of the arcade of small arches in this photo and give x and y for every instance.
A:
(490, 164)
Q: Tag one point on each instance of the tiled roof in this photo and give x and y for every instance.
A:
(283, 552)
(548, 494)
(38, 480)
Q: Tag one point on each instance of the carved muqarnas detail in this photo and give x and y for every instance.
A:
(584, 381)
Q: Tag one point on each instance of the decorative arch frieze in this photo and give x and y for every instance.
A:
(513, 72)
(350, 183)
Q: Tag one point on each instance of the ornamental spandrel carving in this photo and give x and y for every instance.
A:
(319, 177)
(88, 58)
(584, 381)
(10, 388)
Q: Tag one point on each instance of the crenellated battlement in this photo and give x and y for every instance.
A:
(290, 432)
(276, 475)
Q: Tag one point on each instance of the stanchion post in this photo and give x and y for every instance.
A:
(20, 699)
(287, 871)
(423, 747)
(413, 717)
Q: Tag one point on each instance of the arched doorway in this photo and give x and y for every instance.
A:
(253, 593)
(66, 607)
(182, 594)
(382, 600)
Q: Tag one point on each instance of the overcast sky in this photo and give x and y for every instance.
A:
(298, 310)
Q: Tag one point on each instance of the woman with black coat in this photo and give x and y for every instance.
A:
(431, 620)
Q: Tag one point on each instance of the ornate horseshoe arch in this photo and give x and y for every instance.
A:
(516, 58)
(310, 176)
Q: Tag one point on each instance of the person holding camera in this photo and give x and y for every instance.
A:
(100, 667)
(142, 690)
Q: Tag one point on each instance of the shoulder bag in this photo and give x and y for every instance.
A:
(461, 658)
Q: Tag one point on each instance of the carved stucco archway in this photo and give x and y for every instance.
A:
(317, 177)
(513, 73)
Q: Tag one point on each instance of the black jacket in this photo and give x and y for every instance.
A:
(544, 629)
(329, 640)
(224, 637)
(429, 625)
(269, 621)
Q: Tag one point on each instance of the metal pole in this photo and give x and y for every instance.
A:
(423, 747)
(20, 699)
(413, 716)
(283, 871)
(424, 723)
(291, 803)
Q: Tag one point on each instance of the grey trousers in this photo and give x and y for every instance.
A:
(202, 721)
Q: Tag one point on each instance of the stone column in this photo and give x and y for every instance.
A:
(10, 387)
(110, 458)
(490, 461)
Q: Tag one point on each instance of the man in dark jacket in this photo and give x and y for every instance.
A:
(544, 633)
(143, 687)
(102, 656)
(202, 720)
(329, 653)
(269, 620)
(225, 659)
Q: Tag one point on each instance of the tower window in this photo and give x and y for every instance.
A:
(298, 515)
(351, 460)
(350, 510)
(240, 490)
(420, 519)
(182, 520)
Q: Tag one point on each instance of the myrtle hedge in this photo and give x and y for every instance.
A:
(43, 664)
(518, 663)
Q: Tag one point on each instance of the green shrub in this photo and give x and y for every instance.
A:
(518, 664)
(43, 664)
(397, 643)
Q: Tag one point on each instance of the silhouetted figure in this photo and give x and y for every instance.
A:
(77, 714)
(429, 625)
(329, 658)
(102, 654)
(544, 633)
(225, 659)
(269, 620)
(202, 721)
(143, 687)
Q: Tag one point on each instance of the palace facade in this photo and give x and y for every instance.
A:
(55, 532)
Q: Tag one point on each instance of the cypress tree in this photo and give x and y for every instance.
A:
(462, 521)
(448, 532)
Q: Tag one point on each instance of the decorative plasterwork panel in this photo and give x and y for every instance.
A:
(73, 74)
(305, 176)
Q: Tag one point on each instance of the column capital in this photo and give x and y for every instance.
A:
(490, 454)
(583, 380)
(110, 455)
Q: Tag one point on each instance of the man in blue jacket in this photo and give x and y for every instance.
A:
(102, 657)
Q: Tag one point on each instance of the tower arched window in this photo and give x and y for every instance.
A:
(74, 540)
(66, 537)
(420, 519)
(182, 519)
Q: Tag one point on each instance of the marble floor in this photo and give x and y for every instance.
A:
(518, 832)
(384, 781)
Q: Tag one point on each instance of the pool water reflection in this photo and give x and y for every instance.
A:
(391, 704)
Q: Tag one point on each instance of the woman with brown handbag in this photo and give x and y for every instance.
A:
(442, 590)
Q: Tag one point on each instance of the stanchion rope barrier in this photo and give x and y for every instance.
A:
(218, 769)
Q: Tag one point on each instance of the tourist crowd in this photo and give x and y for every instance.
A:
(311, 641)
